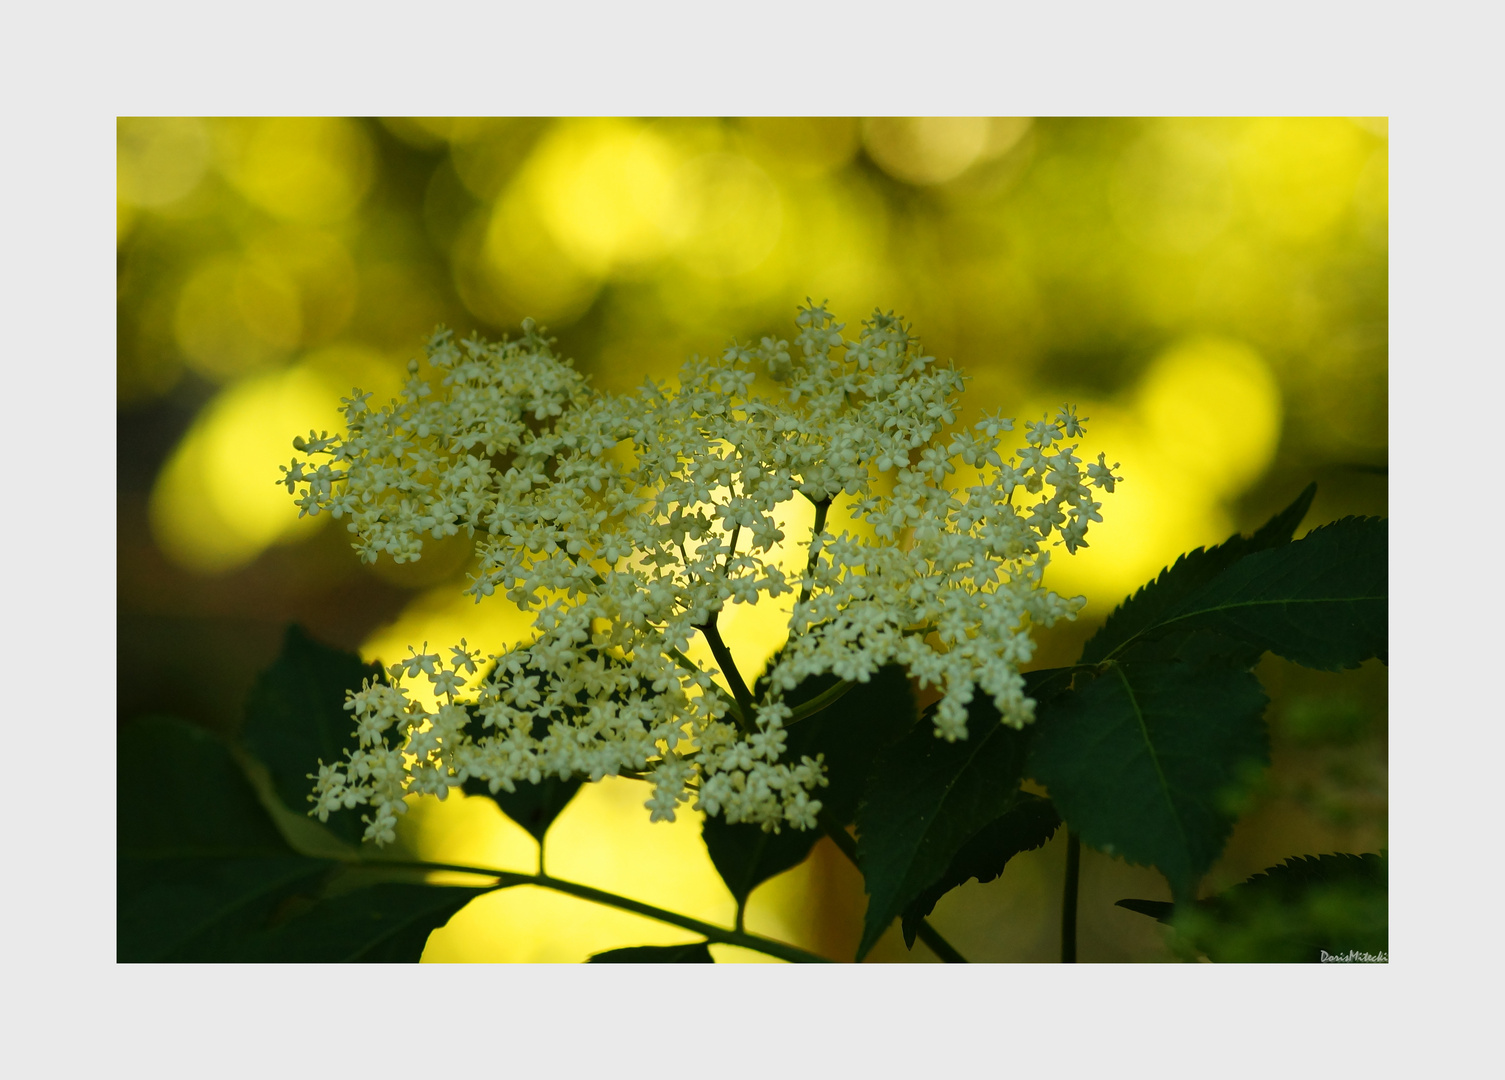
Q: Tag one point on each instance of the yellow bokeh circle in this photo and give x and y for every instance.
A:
(159, 159)
(314, 170)
(727, 215)
(1214, 406)
(926, 149)
(1301, 173)
(216, 504)
(603, 189)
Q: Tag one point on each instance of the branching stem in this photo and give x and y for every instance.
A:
(808, 586)
(731, 549)
(728, 667)
(820, 701)
(506, 879)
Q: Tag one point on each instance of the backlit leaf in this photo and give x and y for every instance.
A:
(1143, 760)
(200, 863)
(204, 874)
(383, 923)
(849, 734)
(1292, 913)
(1158, 600)
(926, 799)
(1028, 823)
(1321, 601)
(296, 717)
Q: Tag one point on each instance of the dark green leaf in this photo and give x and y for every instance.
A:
(533, 806)
(1294, 912)
(1029, 822)
(204, 910)
(204, 874)
(1159, 910)
(1321, 601)
(295, 718)
(181, 794)
(1045, 684)
(926, 799)
(698, 952)
(1155, 602)
(745, 856)
(1144, 760)
(384, 923)
(201, 865)
(849, 734)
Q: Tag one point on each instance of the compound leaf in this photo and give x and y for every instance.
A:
(1028, 823)
(295, 718)
(746, 856)
(1321, 601)
(1144, 761)
(201, 864)
(849, 734)
(1156, 601)
(533, 806)
(205, 875)
(1295, 912)
(926, 799)
(384, 923)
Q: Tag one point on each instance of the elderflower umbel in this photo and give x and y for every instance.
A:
(627, 523)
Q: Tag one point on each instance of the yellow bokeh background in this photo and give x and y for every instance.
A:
(1212, 294)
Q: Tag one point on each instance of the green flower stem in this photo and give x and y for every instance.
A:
(732, 707)
(821, 508)
(939, 945)
(826, 697)
(508, 878)
(728, 667)
(926, 933)
(731, 549)
(743, 711)
(1068, 900)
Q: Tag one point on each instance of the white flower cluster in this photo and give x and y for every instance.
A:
(628, 522)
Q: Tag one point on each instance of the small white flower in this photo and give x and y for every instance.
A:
(1071, 427)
